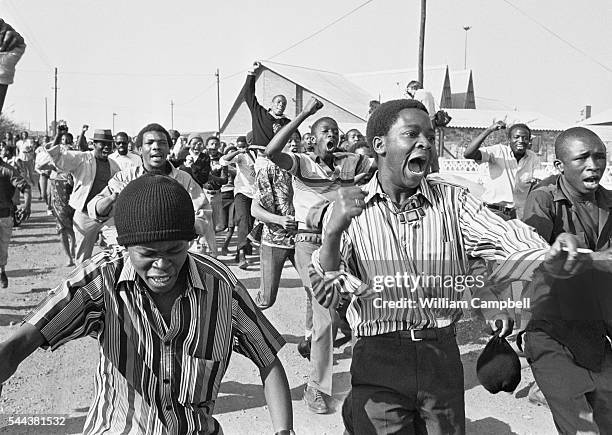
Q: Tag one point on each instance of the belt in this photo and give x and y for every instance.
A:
(500, 208)
(424, 334)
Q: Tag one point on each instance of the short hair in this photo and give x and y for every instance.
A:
(319, 121)
(124, 134)
(209, 138)
(352, 129)
(69, 135)
(241, 139)
(152, 127)
(281, 96)
(296, 132)
(516, 126)
(573, 133)
(414, 83)
(385, 116)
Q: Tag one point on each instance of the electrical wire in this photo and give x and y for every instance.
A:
(320, 30)
(560, 38)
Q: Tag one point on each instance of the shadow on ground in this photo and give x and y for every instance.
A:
(488, 426)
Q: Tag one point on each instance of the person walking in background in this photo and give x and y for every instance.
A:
(244, 188)
(91, 171)
(122, 155)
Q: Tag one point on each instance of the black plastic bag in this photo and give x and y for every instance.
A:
(498, 367)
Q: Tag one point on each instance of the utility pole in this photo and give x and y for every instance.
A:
(46, 119)
(172, 114)
(114, 114)
(55, 106)
(422, 40)
(218, 105)
(466, 28)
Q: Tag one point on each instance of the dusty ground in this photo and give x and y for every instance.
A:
(61, 383)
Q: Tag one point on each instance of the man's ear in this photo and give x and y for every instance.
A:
(558, 165)
(378, 145)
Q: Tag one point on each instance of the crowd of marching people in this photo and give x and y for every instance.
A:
(346, 209)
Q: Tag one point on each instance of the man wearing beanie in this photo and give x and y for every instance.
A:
(153, 142)
(166, 321)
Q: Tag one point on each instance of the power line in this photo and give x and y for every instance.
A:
(579, 50)
(320, 30)
(30, 35)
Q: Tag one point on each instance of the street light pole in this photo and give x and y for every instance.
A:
(114, 114)
(466, 28)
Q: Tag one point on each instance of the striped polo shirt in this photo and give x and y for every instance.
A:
(315, 182)
(153, 378)
(384, 252)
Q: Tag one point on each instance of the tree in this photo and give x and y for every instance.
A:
(7, 124)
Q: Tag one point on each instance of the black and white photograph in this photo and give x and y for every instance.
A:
(358, 217)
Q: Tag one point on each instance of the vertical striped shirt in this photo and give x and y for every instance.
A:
(314, 181)
(153, 378)
(382, 258)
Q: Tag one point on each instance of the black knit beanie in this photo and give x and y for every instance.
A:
(153, 208)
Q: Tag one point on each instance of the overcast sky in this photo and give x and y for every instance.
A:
(132, 57)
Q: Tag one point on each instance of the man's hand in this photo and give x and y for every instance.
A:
(563, 259)
(313, 106)
(287, 222)
(503, 322)
(256, 66)
(498, 125)
(349, 203)
(85, 128)
(9, 38)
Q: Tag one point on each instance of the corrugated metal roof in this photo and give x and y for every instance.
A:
(603, 118)
(331, 86)
(476, 118)
(391, 84)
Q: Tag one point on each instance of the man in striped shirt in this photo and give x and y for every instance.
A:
(317, 177)
(166, 321)
(380, 245)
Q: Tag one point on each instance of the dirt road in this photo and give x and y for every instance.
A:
(61, 383)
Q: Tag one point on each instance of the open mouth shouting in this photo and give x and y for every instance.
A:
(417, 164)
(591, 182)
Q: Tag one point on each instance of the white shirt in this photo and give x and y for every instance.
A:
(126, 161)
(509, 183)
(245, 173)
(427, 99)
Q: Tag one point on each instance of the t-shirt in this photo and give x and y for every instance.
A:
(509, 183)
(314, 182)
(245, 173)
(103, 174)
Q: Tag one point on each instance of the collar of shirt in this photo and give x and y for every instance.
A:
(128, 274)
(338, 156)
(374, 189)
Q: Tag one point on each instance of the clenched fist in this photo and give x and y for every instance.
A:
(349, 203)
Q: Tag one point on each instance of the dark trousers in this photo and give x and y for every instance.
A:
(244, 222)
(404, 387)
(580, 400)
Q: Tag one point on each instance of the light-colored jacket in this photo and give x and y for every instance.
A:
(82, 166)
(122, 178)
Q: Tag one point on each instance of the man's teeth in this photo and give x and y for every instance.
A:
(160, 279)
